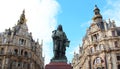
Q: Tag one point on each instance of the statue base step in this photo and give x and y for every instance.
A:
(59, 60)
(58, 65)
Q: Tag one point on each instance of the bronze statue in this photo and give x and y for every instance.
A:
(60, 42)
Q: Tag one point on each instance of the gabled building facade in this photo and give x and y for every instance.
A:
(18, 49)
(101, 45)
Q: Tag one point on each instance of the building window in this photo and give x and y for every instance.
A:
(113, 33)
(13, 64)
(101, 47)
(92, 49)
(6, 61)
(116, 44)
(22, 41)
(21, 52)
(97, 60)
(4, 40)
(25, 54)
(92, 38)
(95, 37)
(118, 57)
(19, 64)
(119, 66)
(97, 48)
(15, 52)
(2, 51)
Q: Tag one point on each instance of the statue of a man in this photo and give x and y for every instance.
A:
(60, 42)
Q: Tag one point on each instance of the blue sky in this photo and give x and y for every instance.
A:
(43, 16)
(76, 16)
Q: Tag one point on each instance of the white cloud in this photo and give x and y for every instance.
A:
(40, 15)
(112, 11)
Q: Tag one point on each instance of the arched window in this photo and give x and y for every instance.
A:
(92, 49)
(26, 54)
(97, 48)
(22, 42)
(101, 47)
(15, 52)
(2, 51)
(19, 65)
(95, 37)
(21, 52)
(97, 60)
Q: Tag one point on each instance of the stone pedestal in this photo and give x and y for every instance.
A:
(58, 65)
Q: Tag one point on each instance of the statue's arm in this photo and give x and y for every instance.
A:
(67, 42)
(53, 33)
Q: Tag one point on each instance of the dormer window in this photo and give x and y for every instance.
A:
(113, 33)
(95, 37)
(22, 42)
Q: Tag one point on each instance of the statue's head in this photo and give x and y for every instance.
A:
(60, 28)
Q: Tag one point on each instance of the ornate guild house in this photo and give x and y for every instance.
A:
(101, 45)
(18, 50)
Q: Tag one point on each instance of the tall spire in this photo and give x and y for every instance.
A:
(22, 18)
(97, 13)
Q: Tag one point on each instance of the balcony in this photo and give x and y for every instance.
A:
(113, 48)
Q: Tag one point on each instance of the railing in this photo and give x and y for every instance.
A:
(106, 49)
(114, 48)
